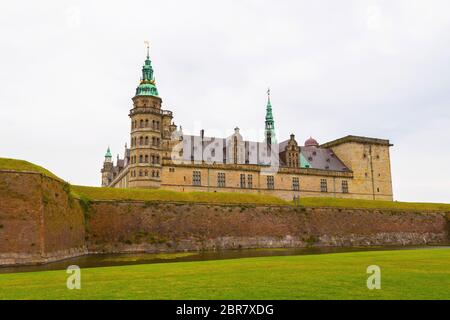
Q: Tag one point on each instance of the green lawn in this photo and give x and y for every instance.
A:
(406, 274)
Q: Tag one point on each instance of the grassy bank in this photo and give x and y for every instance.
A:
(408, 274)
(95, 193)
(374, 204)
(22, 165)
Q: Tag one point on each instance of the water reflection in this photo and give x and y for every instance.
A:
(107, 260)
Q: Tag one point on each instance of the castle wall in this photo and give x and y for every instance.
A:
(180, 178)
(39, 221)
(153, 227)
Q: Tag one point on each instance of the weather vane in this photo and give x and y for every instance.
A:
(147, 44)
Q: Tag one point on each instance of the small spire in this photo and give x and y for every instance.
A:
(108, 153)
(270, 123)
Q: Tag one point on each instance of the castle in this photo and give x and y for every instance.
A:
(161, 156)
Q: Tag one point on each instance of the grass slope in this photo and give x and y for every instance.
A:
(374, 204)
(408, 274)
(22, 165)
(95, 193)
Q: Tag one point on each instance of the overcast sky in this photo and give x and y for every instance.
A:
(68, 71)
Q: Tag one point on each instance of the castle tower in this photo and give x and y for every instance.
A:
(269, 133)
(107, 170)
(150, 132)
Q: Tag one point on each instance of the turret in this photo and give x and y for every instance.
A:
(107, 170)
(150, 132)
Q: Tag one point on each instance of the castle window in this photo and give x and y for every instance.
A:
(140, 159)
(146, 158)
(221, 180)
(142, 123)
(146, 141)
(157, 174)
(295, 184)
(141, 141)
(153, 141)
(153, 173)
(140, 173)
(157, 125)
(171, 169)
(250, 181)
(146, 123)
(157, 159)
(157, 142)
(196, 178)
(323, 185)
(213, 152)
(270, 182)
(153, 124)
(146, 173)
(243, 181)
(344, 186)
(378, 189)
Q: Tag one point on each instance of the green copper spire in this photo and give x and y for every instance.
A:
(108, 153)
(147, 87)
(270, 123)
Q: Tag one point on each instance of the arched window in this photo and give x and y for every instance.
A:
(146, 158)
(153, 141)
(157, 142)
(142, 123)
(146, 173)
(146, 141)
(146, 123)
(140, 173)
(157, 125)
(157, 174)
(140, 158)
(157, 159)
(141, 141)
(153, 173)
(153, 124)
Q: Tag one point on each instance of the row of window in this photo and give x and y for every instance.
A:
(246, 182)
(154, 159)
(145, 173)
(324, 186)
(145, 124)
(145, 141)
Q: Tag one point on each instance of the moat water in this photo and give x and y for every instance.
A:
(108, 260)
